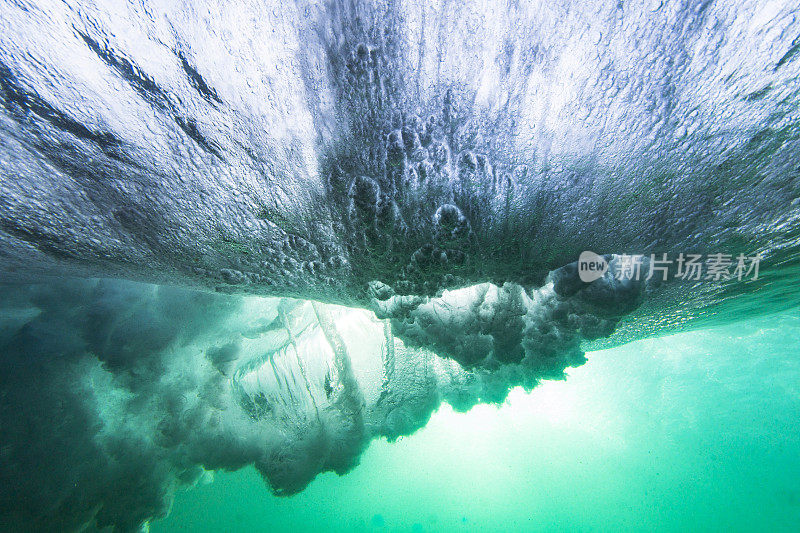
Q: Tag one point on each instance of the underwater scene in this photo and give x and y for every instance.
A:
(399, 265)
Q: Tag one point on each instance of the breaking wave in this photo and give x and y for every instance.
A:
(335, 216)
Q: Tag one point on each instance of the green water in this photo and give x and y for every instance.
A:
(697, 431)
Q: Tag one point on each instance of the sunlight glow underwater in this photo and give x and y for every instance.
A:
(696, 431)
(281, 241)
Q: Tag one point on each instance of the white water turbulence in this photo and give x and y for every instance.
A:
(268, 234)
(118, 392)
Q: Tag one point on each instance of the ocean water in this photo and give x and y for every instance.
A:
(690, 432)
(399, 265)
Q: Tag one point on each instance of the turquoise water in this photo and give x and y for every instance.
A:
(696, 431)
(334, 255)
